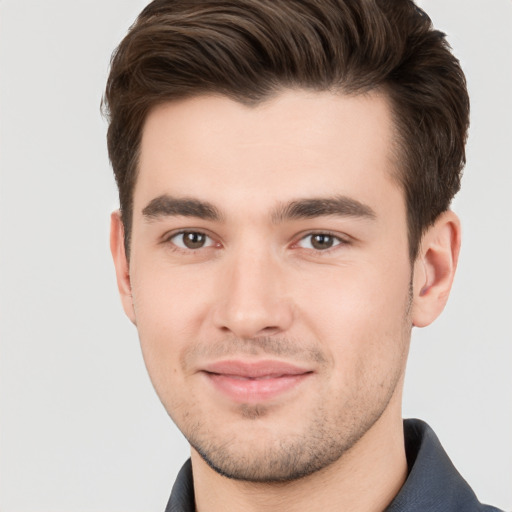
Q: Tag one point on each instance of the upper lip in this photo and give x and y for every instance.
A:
(254, 369)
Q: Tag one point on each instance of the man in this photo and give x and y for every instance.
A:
(285, 171)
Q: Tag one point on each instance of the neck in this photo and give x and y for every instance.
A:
(366, 478)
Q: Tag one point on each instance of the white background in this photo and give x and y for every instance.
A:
(80, 427)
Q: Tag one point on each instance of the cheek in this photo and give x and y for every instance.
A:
(165, 318)
(359, 316)
(168, 301)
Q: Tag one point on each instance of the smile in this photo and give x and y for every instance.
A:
(254, 382)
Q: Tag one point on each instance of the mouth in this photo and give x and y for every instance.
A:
(254, 382)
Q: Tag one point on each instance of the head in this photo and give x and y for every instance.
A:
(249, 50)
(285, 170)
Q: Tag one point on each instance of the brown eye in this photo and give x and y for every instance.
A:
(194, 240)
(319, 241)
(191, 240)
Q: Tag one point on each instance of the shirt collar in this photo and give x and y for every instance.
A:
(433, 484)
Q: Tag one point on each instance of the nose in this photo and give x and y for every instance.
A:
(252, 297)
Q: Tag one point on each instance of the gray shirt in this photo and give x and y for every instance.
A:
(433, 483)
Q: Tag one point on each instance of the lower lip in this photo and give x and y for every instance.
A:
(244, 390)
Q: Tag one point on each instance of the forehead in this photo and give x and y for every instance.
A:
(296, 144)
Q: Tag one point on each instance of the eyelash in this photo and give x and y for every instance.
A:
(169, 240)
(339, 241)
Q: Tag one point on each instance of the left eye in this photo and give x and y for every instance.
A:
(319, 241)
(191, 240)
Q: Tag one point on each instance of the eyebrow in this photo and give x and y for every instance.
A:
(167, 206)
(341, 206)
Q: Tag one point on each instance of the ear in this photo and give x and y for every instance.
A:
(121, 264)
(434, 268)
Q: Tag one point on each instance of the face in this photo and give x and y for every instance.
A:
(269, 276)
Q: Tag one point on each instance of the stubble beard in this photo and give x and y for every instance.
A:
(285, 460)
(325, 438)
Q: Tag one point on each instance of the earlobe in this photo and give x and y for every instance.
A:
(121, 263)
(434, 269)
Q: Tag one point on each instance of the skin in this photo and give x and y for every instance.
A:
(255, 285)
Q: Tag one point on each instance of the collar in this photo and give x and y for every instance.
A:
(433, 484)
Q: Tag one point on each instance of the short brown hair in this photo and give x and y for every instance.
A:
(251, 49)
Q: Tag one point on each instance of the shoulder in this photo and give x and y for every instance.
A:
(433, 484)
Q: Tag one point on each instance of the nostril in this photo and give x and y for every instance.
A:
(270, 330)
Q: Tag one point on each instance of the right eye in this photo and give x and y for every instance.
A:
(191, 240)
